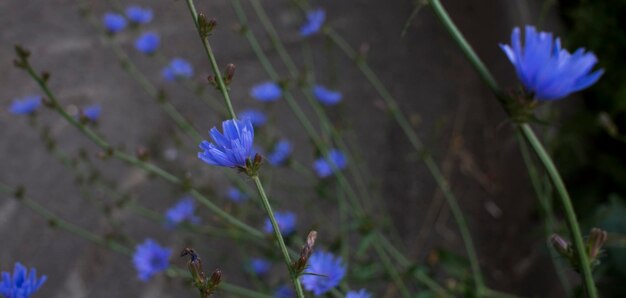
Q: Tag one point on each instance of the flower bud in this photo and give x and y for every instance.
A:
(561, 245)
(229, 73)
(597, 238)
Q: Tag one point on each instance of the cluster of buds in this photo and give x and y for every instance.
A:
(205, 25)
(595, 241)
(300, 264)
(252, 165)
(229, 74)
(206, 286)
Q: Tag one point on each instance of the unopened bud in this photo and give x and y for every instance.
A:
(597, 238)
(206, 26)
(142, 153)
(229, 73)
(211, 79)
(561, 245)
(305, 253)
(45, 76)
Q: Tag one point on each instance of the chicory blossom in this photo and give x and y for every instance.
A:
(178, 68)
(324, 169)
(147, 43)
(286, 223)
(150, 258)
(236, 195)
(256, 117)
(327, 270)
(326, 96)
(92, 112)
(282, 151)
(232, 148)
(266, 91)
(358, 294)
(22, 284)
(114, 22)
(182, 211)
(547, 71)
(260, 266)
(285, 291)
(314, 21)
(138, 14)
(25, 106)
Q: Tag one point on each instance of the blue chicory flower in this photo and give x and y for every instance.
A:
(285, 291)
(256, 117)
(92, 112)
(282, 151)
(236, 195)
(138, 14)
(546, 70)
(260, 266)
(358, 294)
(114, 22)
(150, 258)
(22, 284)
(286, 223)
(324, 169)
(147, 43)
(266, 91)
(328, 270)
(25, 106)
(182, 211)
(314, 21)
(232, 148)
(326, 96)
(178, 68)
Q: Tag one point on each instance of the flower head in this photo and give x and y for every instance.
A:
(326, 96)
(178, 68)
(256, 117)
(147, 43)
(232, 148)
(150, 258)
(92, 112)
(324, 169)
(182, 211)
(26, 105)
(286, 223)
(236, 195)
(260, 266)
(358, 294)
(546, 70)
(114, 22)
(22, 284)
(285, 291)
(138, 14)
(328, 272)
(314, 21)
(266, 92)
(281, 152)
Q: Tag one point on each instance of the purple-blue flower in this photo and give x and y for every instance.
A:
(260, 266)
(178, 68)
(314, 21)
(114, 22)
(327, 270)
(92, 112)
(286, 223)
(147, 43)
(256, 117)
(282, 151)
(358, 294)
(236, 195)
(22, 284)
(150, 258)
(26, 105)
(324, 169)
(547, 71)
(182, 211)
(285, 291)
(266, 91)
(232, 148)
(138, 14)
(326, 96)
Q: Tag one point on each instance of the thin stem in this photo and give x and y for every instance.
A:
(394, 274)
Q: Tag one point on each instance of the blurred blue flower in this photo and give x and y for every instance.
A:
(147, 43)
(232, 148)
(266, 91)
(329, 272)
(236, 195)
(326, 96)
(358, 294)
(260, 266)
(114, 22)
(285, 291)
(324, 169)
(286, 223)
(546, 70)
(138, 14)
(22, 284)
(182, 211)
(256, 117)
(150, 258)
(26, 105)
(314, 21)
(282, 151)
(178, 68)
(92, 112)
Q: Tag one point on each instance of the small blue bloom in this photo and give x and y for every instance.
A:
(358, 294)
(266, 92)
(256, 117)
(546, 70)
(236, 195)
(328, 272)
(285, 291)
(114, 22)
(326, 96)
(26, 105)
(182, 211)
(92, 112)
(138, 14)
(282, 151)
(324, 169)
(286, 223)
(260, 266)
(22, 284)
(150, 258)
(232, 148)
(147, 43)
(314, 21)
(178, 68)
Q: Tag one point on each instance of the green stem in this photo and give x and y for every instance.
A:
(394, 273)
(279, 237)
